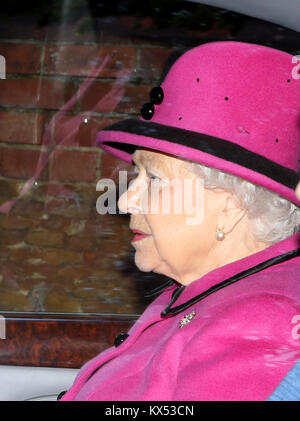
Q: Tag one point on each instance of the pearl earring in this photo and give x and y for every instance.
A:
(220, 235)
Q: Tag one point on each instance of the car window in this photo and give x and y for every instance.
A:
(68, 69)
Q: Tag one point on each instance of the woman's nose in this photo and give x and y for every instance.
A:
(131, 200)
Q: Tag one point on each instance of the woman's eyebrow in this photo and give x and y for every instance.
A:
(156, 169)
(149, 162)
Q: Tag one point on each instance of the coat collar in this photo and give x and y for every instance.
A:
(185, 296)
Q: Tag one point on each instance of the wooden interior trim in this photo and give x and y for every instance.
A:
(58, 340)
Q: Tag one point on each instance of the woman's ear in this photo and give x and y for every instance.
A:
(297, 191)
(231, 213)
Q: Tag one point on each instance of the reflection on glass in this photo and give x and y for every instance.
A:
(72, 68)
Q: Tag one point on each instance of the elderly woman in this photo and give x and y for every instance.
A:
(226, 324)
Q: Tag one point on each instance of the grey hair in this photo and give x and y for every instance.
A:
(272, 218)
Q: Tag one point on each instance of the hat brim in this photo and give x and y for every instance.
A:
(123, 138)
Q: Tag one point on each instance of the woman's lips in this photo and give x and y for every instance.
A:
(139, 235)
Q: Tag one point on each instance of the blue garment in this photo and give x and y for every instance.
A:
(289, 387)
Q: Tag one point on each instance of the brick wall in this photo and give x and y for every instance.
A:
(56, 253)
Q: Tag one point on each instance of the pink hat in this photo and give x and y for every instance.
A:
(230, 105)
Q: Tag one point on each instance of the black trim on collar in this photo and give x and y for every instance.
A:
(159, 288)
(168, 311)
(215, 146)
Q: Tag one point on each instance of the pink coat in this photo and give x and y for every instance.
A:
(238, 343)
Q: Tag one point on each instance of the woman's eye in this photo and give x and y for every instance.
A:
(153, 177)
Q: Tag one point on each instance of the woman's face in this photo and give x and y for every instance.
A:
(175, 241)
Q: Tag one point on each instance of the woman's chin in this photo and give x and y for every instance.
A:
(143, 264)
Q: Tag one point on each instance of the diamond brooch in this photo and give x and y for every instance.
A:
(187, 318)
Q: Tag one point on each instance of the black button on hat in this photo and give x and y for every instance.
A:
(157, 95)
(147, 111)
(120, 338)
